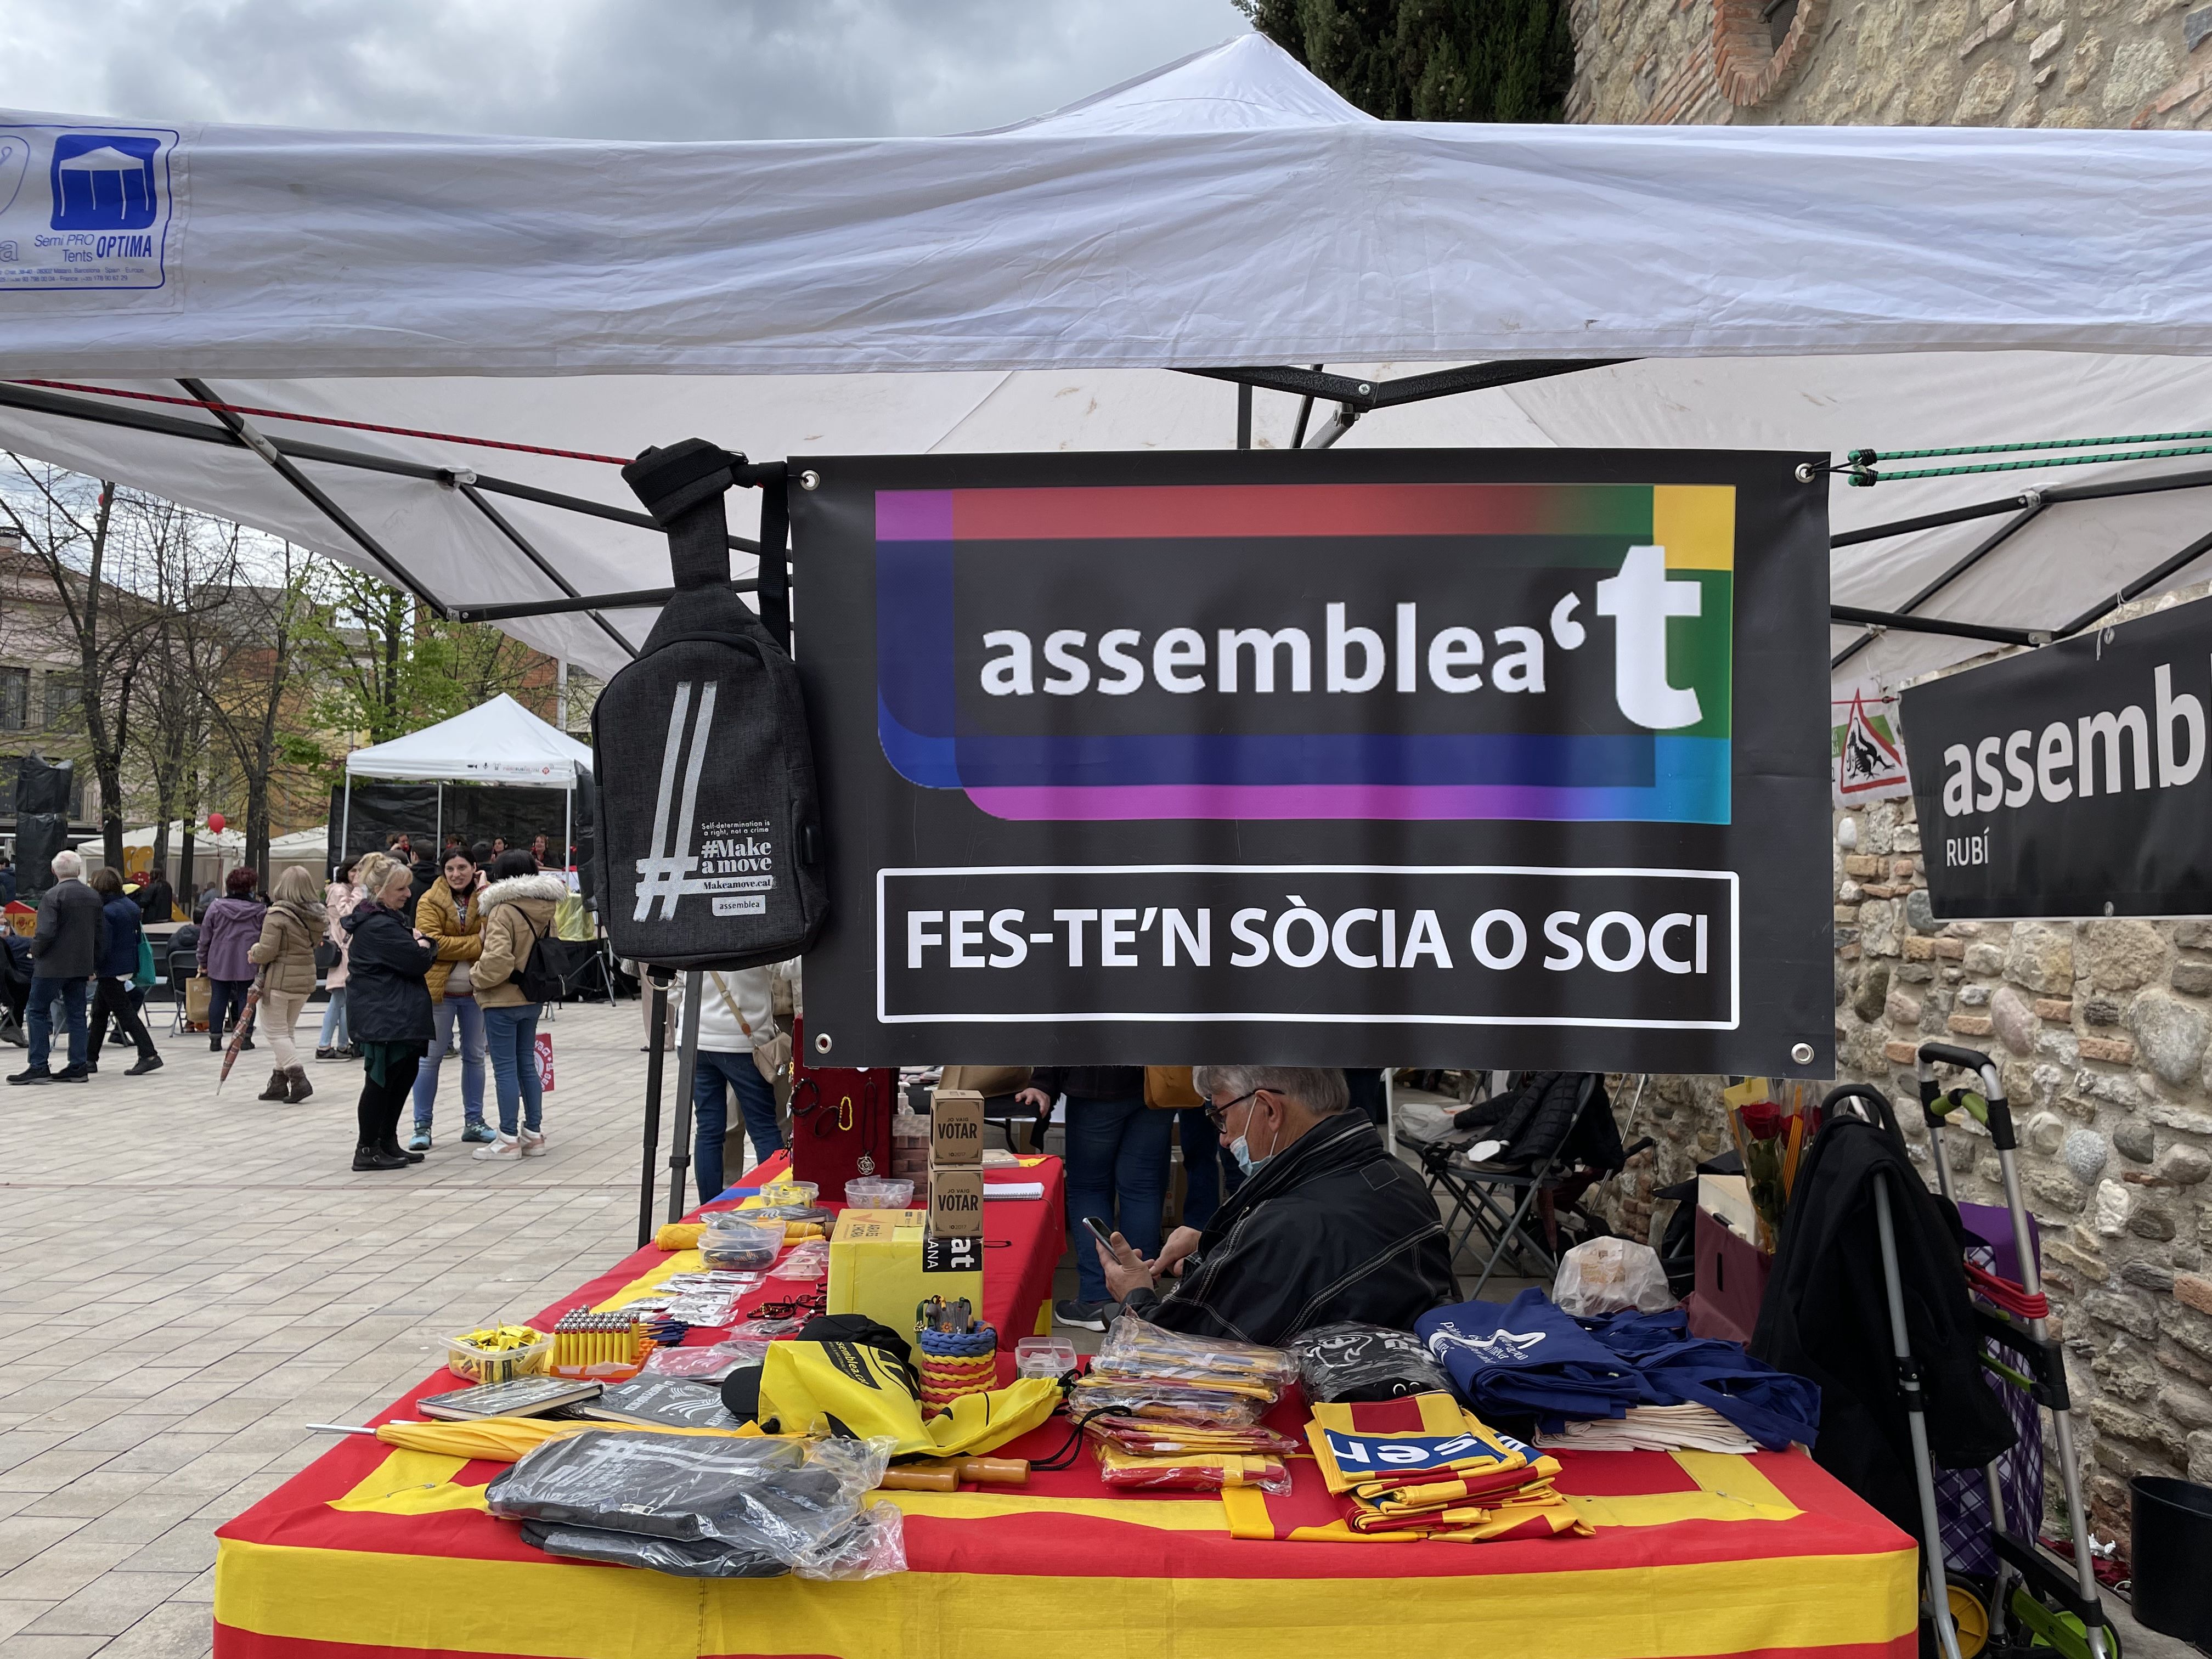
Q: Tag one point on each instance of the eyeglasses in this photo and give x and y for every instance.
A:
(1214, 1115)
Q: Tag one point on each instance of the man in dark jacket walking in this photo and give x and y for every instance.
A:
(1329, 1226)
(71, 936)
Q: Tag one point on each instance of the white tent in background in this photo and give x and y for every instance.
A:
(1039, 288)
(495, 742)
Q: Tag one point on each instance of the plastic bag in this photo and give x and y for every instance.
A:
(807, 1261)
(1193, 1471)
(873, 1545)
(793, 1502)
(768, 1328)
(1607, 1275)
(708, 1365)
(1355, 1361)
(1223, 1404)
(1135, 1348)
(1144, 1437)
(732, 1240)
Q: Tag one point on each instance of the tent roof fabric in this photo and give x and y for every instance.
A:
(496, 742)
(1790, 288)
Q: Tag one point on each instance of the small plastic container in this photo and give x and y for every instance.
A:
(474, 1365)
(878, 1193)
(731, 1240)
(1043, 1356)
(788, 1191)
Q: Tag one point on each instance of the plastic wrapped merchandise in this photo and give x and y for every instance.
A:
(1213, 1405)
(708, 1365)
(797, 1502)
(1353, 1361)
(729, 1240)
(873, 1545)
(1134, 1348)
(1193, 1471)
(1607, 1275)
(807, 1261)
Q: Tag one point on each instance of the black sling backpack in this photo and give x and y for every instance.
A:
(709, 851)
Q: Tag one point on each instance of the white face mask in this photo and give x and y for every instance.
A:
(1242, 1153)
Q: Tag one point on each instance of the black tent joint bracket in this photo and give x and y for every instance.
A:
(1365, 396)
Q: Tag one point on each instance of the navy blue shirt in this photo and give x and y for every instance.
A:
(124, 919)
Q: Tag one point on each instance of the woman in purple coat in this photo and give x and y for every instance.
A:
(232, 927)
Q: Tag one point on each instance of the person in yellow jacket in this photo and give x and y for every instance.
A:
(518, 910)
(449, 915)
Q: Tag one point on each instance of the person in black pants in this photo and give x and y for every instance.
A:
(119, 966)
(387, 1006)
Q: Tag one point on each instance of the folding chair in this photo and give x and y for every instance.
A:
(1518, 1206)
(184, 969)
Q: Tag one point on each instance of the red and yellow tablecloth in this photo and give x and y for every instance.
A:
(372, 1552)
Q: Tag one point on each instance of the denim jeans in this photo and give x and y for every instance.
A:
(333, 1034)
(1117, 1169)
(511, 1034)
(1209, 1174)
(471, 1016)
(711, 1084)
(226, 1002)
(44, 992)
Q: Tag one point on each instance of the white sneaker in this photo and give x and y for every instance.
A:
(503, 1148)
(533, 1143)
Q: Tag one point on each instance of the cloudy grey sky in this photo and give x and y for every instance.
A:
(602, 69)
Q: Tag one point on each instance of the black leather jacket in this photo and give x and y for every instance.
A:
(1331, 1228)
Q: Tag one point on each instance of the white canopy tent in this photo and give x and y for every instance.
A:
(1039, 287)
(495, 742)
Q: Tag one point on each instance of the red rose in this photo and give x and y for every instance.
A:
(1763, 1120)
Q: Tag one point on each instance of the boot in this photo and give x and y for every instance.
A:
(297, 1077)
(276, 1089)
(371, 1158)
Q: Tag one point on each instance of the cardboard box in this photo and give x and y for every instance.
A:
(955, 1203)
(955, 1119)
(882, 1264)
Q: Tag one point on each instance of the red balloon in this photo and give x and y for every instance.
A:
(215, 820)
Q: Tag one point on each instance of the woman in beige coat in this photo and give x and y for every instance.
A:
(285, 953)
(518, 911)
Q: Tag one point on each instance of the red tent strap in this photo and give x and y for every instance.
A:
(331, 420)
(2003, 1293)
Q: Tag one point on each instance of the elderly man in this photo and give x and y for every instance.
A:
(1328, 1226)
(70, 938)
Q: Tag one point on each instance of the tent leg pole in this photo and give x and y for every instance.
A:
(438, 818)
(345, 831)
(687, 1067)
(655, 990)
(568, 828)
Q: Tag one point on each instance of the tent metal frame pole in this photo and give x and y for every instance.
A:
(1243, 414)
(643, 596)
(772, 583)
(2150, 579)
(1989, 545)
(247, 434)
(1366, 396)
(466, 485)
(2056, 496)
(345, 824)
(1904, 625)
(655, 990)
(687, 1068)
(438, 822)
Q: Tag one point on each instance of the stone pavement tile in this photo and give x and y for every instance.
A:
(52, 1470)
(91, 1495)
(27, 1646)
(201, 1588)
(176, 1630)
(14, 1615)
(164, 1452)
(19, 1446)
(186, 1546)
(57, 1572)
(128, 1529)
(111, 1604)
(22, 1537)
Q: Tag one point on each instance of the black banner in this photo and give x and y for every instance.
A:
(1479, 758)
(2070, 780)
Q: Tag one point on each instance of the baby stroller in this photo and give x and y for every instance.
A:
(2032, 1601)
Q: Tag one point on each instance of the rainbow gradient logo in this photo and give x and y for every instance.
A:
(1376, 651)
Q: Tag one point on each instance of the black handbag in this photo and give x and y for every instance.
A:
(709, 851)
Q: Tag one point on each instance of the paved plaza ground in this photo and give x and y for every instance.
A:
(187, 1278)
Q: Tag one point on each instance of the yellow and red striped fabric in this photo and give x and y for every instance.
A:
(377, 1553)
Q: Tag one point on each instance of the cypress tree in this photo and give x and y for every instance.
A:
(1430, 60)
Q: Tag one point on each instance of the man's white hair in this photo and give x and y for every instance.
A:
(1320, 1089)
(68, 865)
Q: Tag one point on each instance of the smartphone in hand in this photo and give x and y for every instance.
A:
(1101, 1230)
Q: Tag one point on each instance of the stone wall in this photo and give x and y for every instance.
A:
(1911, 62)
